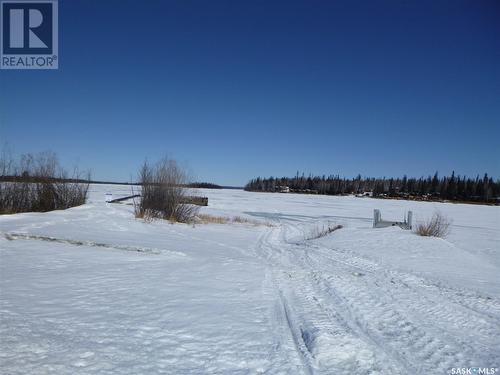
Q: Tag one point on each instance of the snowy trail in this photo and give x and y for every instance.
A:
(347, 314)
(327, 340)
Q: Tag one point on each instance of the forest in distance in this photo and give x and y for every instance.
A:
(450, 188)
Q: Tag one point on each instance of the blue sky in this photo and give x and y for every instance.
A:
(236, 89)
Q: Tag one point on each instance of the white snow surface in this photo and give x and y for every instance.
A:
(92, 290)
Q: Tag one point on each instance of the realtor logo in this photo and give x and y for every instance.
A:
(29, 34)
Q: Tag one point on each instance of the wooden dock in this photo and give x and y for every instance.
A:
(198, 201)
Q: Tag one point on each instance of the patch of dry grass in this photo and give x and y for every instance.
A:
(211, 219)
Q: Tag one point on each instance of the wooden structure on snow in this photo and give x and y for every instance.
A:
(379, 223)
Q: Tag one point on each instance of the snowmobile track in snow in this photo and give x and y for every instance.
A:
(348, 314)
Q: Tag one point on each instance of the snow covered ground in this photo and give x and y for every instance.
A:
(92, 290)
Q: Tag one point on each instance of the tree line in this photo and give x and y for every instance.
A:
(454, 188)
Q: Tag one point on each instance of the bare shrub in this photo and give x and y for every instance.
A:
(70, 192)
(163, 193)
(39, 184)
(324, 230)
(437, 226)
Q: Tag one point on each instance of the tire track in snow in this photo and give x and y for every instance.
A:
(325, 340)
(407, 327)
(429, 329)
(390, 327)
(298, 339)
(442, 312)
(469, 302)
(388, 360)
(288, 340)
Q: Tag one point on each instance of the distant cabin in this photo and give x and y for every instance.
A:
(282, 189)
